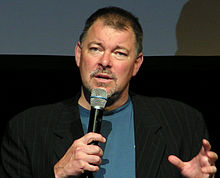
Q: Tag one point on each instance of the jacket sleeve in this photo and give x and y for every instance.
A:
(14, 158)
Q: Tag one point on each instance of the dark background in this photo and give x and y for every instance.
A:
(38, 79)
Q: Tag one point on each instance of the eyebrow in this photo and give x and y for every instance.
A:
(121, 47)
(96, 43)
(100, 44)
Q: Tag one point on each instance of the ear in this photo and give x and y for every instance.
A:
(137, 64)
(78, 51)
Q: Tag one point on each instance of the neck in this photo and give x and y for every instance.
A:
(123, 98)
(83, 101)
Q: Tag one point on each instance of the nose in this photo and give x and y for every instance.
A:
(105, 60)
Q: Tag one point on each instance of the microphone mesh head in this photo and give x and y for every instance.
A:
(98, 98)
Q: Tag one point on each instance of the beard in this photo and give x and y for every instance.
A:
(104, 85)
(112, 95)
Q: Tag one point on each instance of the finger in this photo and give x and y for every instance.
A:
(93, 150)
(92, 168)
(85, 166)
(90, 137)
(88, 150)
(176, 162)
(92, 159)
(209, 170)
(213, 157)
(95, 160)
(206, 145)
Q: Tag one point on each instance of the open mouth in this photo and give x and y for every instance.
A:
(103, 76)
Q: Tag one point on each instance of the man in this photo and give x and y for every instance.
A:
(140, 135)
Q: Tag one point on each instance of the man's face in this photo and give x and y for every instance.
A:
(107, 58)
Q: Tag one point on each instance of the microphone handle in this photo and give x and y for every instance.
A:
(95, 122)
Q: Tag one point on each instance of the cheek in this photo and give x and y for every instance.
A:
(124, 73)
(84, 72)
(86, 67)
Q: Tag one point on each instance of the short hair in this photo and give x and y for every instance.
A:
(119, 19)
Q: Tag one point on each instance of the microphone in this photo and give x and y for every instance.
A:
(98, 100)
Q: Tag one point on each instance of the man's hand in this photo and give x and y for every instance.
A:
(80, 157)
(201, 166)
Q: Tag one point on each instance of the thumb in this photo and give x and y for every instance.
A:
(176, 162)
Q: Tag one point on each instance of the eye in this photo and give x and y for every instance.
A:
(121, 53)
(94, 49)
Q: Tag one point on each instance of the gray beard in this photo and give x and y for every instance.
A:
(112, 96)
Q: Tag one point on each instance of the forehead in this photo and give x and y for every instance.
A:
(100, 30)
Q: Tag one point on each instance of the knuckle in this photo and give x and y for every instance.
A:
(78, 156)
(78, 149)
(205, 160)
(76, 144)
(97, 160)
(101, 153)
(94, 168)
(77, 153)
(216, 156)
(81, 164)
(90, 134)
(96, 149)
(214, 169)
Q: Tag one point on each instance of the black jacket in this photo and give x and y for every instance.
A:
(38, 137)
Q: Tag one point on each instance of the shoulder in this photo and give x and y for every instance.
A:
(46, 115)
(168, 110)
(160, 102)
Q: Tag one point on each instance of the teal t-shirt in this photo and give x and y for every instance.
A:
(119, 150)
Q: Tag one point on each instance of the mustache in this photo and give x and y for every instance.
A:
(103, 71)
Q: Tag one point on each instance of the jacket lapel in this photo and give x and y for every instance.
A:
(150, 146)
(67, 129)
